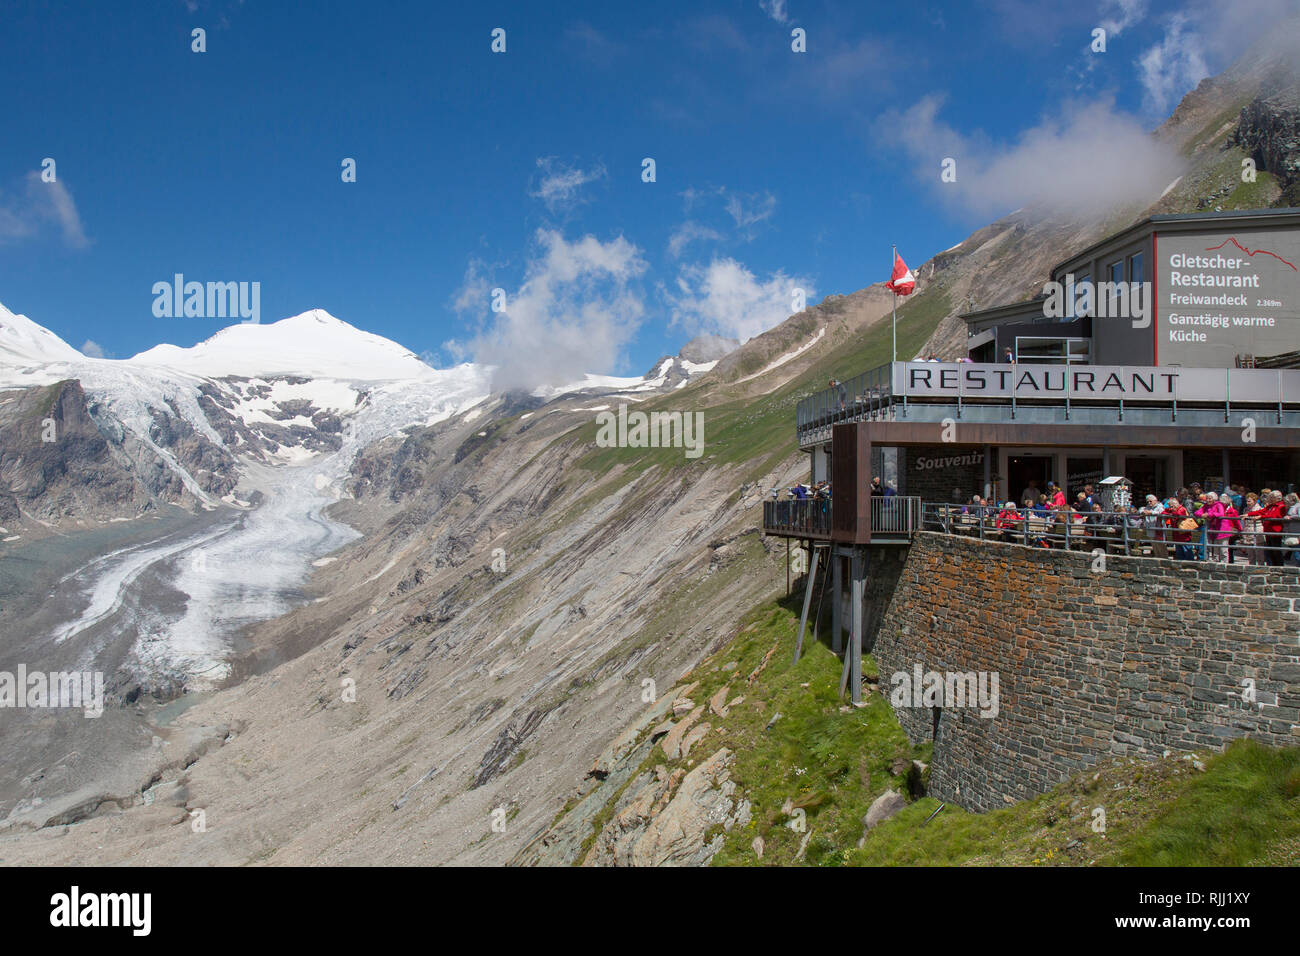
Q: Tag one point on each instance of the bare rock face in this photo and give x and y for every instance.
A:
(672, 743)
(1269, 130)
(673, 818)
(55, 462)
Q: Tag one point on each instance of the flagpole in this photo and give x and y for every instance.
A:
(894, 323)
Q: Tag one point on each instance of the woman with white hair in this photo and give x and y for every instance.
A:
(1252, 530)
(1154, 526)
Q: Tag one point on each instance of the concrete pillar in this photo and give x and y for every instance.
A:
(988, 471)
(859, 580)
(837, 594)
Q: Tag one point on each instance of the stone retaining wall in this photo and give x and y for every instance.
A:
(1144, 656)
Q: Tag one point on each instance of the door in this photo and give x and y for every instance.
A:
(1150, 474)
(1028, 475)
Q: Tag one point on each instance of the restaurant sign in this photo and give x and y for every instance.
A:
(1094, 382)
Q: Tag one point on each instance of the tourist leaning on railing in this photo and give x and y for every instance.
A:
(1267, 532)
(1182, 525)
(1251, 530)
(1008, 522)
(1211, 514)
(1272, 514)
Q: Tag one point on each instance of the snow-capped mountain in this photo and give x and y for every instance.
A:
(23, 343)
(194, 425)
(313, 344)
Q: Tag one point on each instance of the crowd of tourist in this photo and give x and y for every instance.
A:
(818, 489)
(1228, 526)
(822, 489)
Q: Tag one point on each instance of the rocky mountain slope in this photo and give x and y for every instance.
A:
(521, 597)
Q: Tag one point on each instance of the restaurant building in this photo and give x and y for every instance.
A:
(1199, 381)
(1168, 353)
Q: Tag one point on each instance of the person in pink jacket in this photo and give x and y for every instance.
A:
(1211, 512)
(1231, 525)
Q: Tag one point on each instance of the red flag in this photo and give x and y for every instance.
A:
(902, 282)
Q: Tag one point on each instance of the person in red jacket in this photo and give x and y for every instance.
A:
(1174, 514)
(1009, 521)
(1055, 496)
(1273, 516)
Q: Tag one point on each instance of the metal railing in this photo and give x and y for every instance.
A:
(804, 517)
(811, 517)
(895, 514)
(1127, 533)
(865, 397)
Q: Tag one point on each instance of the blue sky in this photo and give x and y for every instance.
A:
(523, 170)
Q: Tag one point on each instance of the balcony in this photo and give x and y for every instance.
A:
(892, 518)
(798, 518)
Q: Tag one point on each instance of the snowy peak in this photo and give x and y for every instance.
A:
(314, 344)
(24, 343)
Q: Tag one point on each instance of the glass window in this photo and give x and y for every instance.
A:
(1135, 268)
(1052, 351)
(1081, 282)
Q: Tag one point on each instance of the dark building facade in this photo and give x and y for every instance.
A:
(1223, 290)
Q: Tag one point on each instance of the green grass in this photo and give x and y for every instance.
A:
(755, 433)
(1236, 808)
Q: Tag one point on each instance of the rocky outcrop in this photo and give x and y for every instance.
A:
(672, 818)
(1269, 131)
(56, 463)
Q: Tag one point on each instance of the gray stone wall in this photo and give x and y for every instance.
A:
(1144, 656)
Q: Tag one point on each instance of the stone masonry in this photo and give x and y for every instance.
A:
(1145, 656)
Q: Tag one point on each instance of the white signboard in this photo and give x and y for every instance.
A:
(1111, 383)
(1223, 294)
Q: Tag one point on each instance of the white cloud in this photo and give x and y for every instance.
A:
(575, 311)
(561, 184)
(746, 210)
(27, 211)
(92, 349)
(750, 210)
(474, 293)
(727, 299)
(1087, 161)
(775, 9)
(688, 232)
(1172, 67)
(1119, 15)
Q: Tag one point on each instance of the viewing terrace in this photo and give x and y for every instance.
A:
(1126, 532)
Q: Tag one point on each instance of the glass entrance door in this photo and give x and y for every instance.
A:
(1150, 475)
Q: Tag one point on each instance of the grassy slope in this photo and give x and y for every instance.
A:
(1242, 809)
(756, 433)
